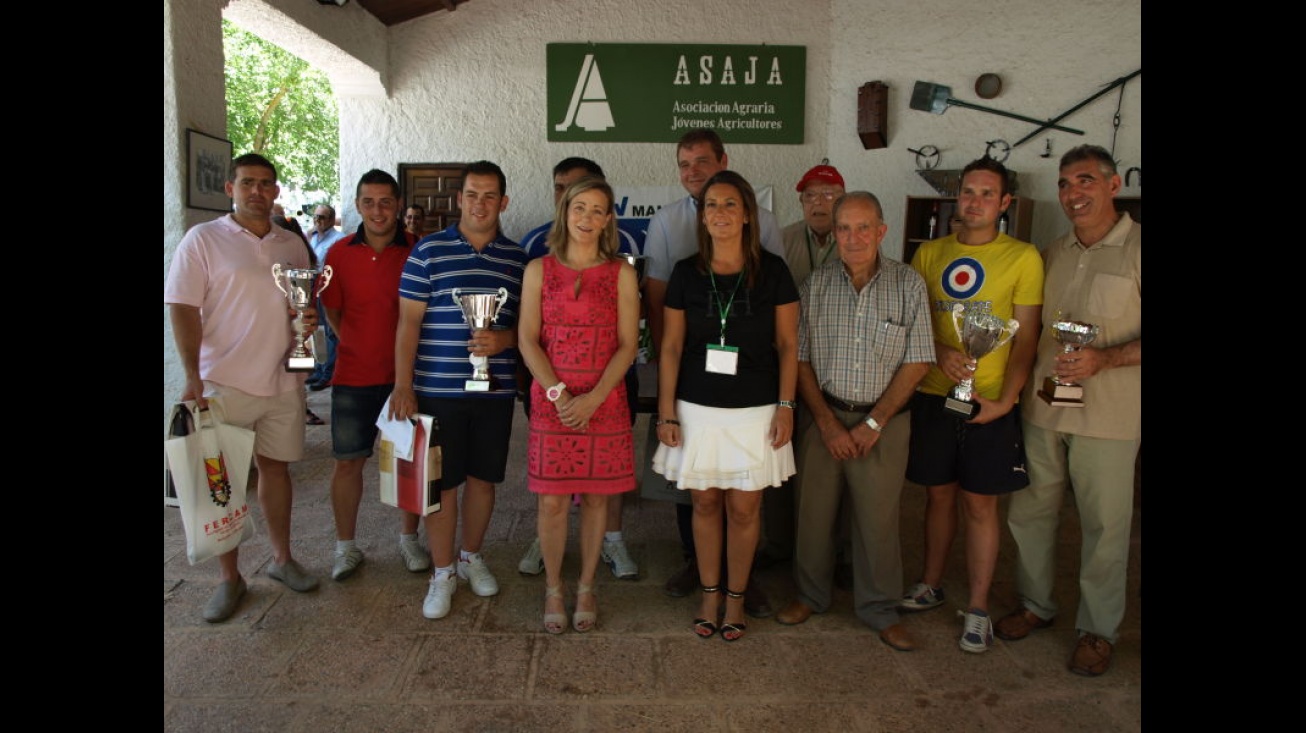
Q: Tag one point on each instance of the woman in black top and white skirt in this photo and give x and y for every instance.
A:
(727, 378)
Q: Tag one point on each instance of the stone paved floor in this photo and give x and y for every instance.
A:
(359, 656)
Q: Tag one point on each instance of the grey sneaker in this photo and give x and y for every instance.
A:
(921, 597)
(224, 601)
(478, 575)
(439, 597)
(978, 634)
(532, 563)
(416, 558)
(293, 575)
(346, 563)
(616, 557)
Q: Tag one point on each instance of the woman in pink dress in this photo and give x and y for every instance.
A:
(578, 333)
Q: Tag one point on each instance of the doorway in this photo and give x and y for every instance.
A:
(434, 187)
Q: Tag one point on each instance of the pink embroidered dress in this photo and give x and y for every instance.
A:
(578, 332)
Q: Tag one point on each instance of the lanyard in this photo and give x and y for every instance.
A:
(726, 310)
(811, 254)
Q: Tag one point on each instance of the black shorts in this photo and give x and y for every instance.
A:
(985, 459)
(474, 437)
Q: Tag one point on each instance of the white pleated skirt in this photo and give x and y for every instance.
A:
(725, 448)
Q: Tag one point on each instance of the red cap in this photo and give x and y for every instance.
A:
(826, 173)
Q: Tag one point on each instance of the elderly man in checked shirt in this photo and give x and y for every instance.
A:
(864, 343)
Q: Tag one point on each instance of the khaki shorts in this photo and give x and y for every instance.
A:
(277, 422)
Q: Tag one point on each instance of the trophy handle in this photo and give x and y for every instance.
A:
(276, 278)
(503, 298)
(958, 312)
(326, 279)
(1012, 327)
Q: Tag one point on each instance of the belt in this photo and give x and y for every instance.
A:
(845, 405)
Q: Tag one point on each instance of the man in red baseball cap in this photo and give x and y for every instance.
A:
(810, 243)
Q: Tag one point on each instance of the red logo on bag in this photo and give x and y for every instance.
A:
(219, 486)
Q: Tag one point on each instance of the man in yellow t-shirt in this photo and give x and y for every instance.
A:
(979, 457)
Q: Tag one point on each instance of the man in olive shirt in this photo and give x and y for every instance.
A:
(1094, 274)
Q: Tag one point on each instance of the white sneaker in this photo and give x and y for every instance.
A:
(978, 634)
(532, 563)
(478, 575)
(439, 597)
(416, 557)
(618, 559)
(346, 563)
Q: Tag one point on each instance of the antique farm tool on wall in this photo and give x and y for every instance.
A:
(1045, 125)
(935, 98)
(927, 157)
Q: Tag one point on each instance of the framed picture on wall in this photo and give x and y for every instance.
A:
(207, 159)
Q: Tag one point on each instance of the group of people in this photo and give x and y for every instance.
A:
(803, 379)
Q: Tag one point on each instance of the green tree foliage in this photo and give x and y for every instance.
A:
(280, 107)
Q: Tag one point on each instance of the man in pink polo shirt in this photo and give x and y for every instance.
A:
(231, 325)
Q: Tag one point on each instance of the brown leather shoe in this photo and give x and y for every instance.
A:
(1017, 624)
(898, 637)
(1092, 655)
(794, 613)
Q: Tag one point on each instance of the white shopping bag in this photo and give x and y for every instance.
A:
(210, 469)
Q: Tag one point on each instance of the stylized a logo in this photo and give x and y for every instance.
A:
(589, 102)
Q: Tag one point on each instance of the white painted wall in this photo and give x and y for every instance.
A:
(470, 84)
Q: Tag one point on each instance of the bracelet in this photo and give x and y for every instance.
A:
(660, 423)
(787, 403)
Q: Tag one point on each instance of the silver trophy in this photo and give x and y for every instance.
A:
(297, 284)
(479, 311)
(981, 334)
(1073, 336)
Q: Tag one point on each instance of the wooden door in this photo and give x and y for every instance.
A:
(434, 187)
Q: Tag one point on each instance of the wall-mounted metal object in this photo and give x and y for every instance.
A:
(927, 158)
(1129, 174)
(1043, 126)
(935, 98)
(998, 150)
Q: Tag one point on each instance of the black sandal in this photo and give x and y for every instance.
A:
(738, 629)
(704, 628)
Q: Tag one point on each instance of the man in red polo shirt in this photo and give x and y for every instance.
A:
(362, 306)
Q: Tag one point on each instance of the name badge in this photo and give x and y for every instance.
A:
(722, 359)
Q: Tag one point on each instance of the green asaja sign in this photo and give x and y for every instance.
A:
(654, 92)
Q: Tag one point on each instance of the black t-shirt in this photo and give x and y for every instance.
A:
(750, 326)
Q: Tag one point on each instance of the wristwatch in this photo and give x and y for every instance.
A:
(554, 392)
(872, 423)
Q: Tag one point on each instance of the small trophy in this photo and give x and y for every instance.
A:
(297, 284)
(981, 334)
(480, 311)
(1073, 335)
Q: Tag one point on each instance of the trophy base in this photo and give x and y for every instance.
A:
(1055, 402)
(960, 408)
(1062, 392)
(476, 385)
(301, 364)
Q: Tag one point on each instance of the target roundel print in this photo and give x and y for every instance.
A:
(963, 278)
